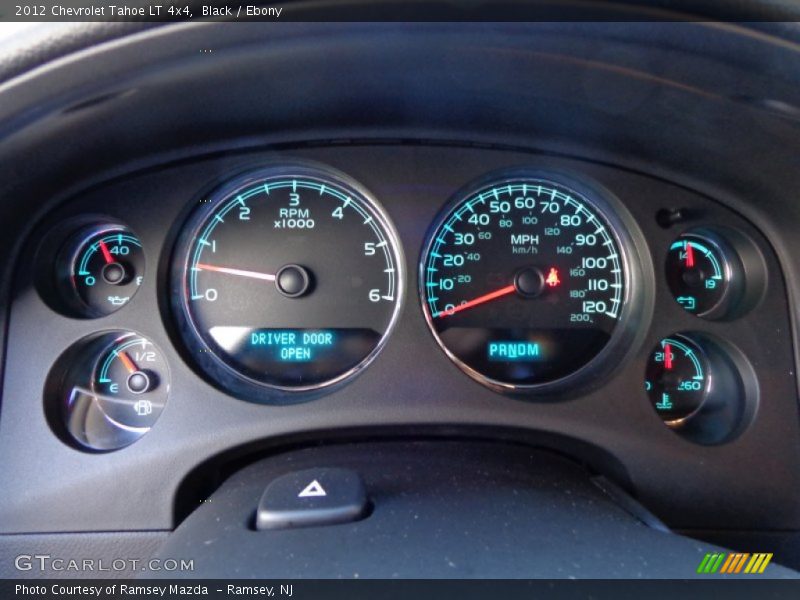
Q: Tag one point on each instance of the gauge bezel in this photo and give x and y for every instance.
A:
(709, 379)
(731, 395)
(215, 368)
(730, 272)
(80, 362)
(67, 267)
(638, 299)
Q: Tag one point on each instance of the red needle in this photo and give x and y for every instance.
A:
(689, 255)
(240, 272)
(509, 289)
(668, 357)
(106, 254)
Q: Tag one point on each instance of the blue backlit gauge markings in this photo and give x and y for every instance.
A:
(100, 269)
(524, 281)
(131, 381)
(701, 387)
(286, 280)
(114, 391)
(701, 273)
(678, 379)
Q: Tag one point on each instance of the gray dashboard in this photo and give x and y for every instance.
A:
(411, 384)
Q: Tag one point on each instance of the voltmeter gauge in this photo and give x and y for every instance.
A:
(112, 388)
(704, 274)
(100, 269)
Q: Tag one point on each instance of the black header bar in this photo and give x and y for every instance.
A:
(21, 11)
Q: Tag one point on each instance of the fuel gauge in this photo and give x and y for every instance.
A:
(112, 389)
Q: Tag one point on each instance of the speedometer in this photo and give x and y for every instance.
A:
(286, 279)
(526, 281)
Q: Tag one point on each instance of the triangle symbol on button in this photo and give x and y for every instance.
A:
(311, 490)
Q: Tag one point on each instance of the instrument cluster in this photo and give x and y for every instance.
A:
(285, 281)
(171, 317)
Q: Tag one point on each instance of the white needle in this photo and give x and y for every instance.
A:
(240, 272)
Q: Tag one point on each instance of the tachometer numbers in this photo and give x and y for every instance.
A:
(286, 280)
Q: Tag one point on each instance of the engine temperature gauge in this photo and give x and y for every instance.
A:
(678, 379)
(100, 269)
(702, 387)
(112, 390)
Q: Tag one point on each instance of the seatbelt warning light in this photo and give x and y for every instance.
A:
(552, 278)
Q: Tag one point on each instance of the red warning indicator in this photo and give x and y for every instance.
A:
(552, 278)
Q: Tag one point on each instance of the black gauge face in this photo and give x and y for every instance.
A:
(677, 379)
(698, 274)
(103, 267)
(286, 279)
(523, 281)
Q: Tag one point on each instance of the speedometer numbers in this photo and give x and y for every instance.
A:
(525, 281)
(288, 279)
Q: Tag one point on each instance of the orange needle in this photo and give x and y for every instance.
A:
(689, 255)
(240, 272)
(509, 289)
(128, 362)
(668, 357)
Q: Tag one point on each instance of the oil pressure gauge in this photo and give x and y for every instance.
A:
(99, 269)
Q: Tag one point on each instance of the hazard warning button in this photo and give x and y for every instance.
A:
(323, 496)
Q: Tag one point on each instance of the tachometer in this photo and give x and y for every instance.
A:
(526, 281)
(287, 279)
